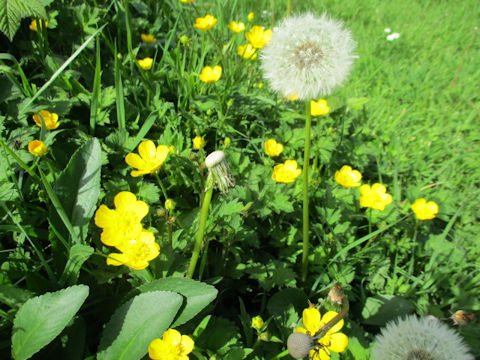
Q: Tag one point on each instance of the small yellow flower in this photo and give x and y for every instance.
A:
(347, 177)
(236, 27)
(37, 148)
(33, 24)
(145, 64)
(258, 36)
(332, 341)
(123, 223)
(374, 197)
(291, 97)
(136, 252)
(247, 51)
(148, 38)
(205, 23)
(50, 119)
(251, 16)
(257, 323)
(319, 108)
(172, 346)
(187, 1)
(272, 148)
(210, 75)
(424, 210)
(198, 142)
(148, 160)
(286, 172)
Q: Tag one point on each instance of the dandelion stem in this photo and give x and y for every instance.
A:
(306, 160)
(201, 228)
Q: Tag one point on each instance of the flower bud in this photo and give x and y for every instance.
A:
(335, 295)
(461, 317)
(169, 204)
(257, 322)
(219, 170)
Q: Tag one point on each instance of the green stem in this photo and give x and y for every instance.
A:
(201, 228)
(306, 160)
(289, 7)
(164, 192)
(161, 186)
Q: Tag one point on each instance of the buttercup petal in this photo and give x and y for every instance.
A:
(124, 200)
(339, 342)
(146, 149)
(117, 259)
(329, 316)
(187, 344)
(105, 217)
(172, 336)
(311, 320)
(162, 153)
(134, 160)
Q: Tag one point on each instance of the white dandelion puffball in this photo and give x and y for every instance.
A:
(414, 338)
(308, 56)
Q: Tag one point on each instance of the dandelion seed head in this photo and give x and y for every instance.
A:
(414, 338)
(308, 56)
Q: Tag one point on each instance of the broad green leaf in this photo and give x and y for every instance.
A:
(78, 186)
(197, 294)
(237, 354)
(380, 309)
(43, 317)
(77, 256)
(286, 307)
(13, 296)
(13, 11)
(281, 203)
(136, 323)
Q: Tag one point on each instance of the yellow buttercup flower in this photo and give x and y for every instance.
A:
(33, 24)
(187, 1)
(286, 172)
(257, 323)
(50, 119)
(332, 341)
(319, 108)
(374, 197)
(205, 23)
(148, 38)
(123, 223)
(172, 346)
(198, 142)
(210, 75)
(146, 63)
(424, 210)
(273, 148)
(347, 177)
(236, 27)
(251, 16)
(136, 252)
(247, 51)
(258, 36)
(37, 148)
(149, 158)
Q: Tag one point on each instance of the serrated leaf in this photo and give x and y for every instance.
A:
(43, 317)
(136, 323)
(380, 309)
(13, 11)
(197, 294)
(286, 307)
(230, 208)
(78, 186)
(281, 203)
(78, 254)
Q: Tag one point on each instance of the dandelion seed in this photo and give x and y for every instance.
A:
(308, 56)
(414, 338)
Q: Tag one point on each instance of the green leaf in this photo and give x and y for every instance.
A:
(13, 11)
(77, 256)
(286, 307)
(43, 317)
(237, 354)
(380, 309)
(78, 186)
(13, 296)
(281, 203)
(197, 294)
(136, 323)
